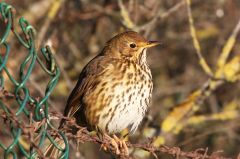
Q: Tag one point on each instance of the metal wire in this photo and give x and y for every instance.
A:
(8, 15)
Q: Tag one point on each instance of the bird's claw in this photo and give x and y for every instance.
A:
(115, 145)
(118, 144)
(122, 144)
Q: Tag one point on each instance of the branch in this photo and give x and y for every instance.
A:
(197, 47)
(148, 26)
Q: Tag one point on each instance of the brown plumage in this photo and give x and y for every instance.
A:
(114, 89)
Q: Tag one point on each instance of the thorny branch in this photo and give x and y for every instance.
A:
(84, 135)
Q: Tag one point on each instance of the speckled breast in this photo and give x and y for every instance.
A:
(120, 99)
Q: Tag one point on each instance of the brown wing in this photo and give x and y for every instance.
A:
(87, 80)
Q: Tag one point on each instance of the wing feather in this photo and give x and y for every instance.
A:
(88, 78)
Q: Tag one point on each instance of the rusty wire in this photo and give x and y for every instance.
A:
(84, 135)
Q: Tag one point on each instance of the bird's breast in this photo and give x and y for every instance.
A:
(121, 97)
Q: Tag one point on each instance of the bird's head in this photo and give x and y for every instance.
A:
(128, 45)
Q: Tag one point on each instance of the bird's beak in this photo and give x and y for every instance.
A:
(152, 43)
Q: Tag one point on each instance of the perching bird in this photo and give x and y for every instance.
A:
(113, 90)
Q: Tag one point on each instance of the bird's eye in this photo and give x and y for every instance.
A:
(132, 45)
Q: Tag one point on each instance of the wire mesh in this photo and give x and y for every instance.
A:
(40, 116)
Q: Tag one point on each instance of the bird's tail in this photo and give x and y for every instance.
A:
(54, 152)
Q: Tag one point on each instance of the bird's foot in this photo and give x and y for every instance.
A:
(122, 144)
(117, 144)
(114, 143)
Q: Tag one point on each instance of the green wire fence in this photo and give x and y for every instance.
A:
(41, 106)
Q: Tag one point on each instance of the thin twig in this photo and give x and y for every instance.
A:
(150, 25)
(226, 50)
(197, 47)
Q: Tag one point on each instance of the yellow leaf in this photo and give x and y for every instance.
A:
(179, 112)
(123, 133)
(178, 128)
(174, 116)
(225, 115)
(54, 9)
(232, 68)
(159, 141)
(223, 57)
(208, 32)
(231, 105)
(149, 132)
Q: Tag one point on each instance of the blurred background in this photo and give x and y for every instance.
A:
(79, 31)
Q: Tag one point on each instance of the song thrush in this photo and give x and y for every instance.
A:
(114, 89)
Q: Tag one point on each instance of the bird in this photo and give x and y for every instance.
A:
(113, 91)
